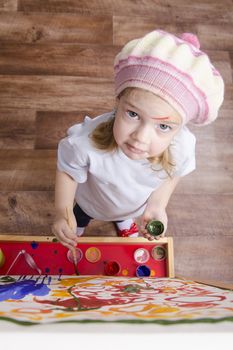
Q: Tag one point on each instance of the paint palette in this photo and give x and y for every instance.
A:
(109, 256)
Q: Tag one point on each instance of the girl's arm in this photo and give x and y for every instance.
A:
(156, 205)
(65, 188)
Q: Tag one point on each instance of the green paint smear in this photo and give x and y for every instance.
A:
(7, 279)
(132, 288)
(160, 322)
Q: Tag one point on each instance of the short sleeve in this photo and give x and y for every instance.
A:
(183, 152)
(72, 158)
(74, 150)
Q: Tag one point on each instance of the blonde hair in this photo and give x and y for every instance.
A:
(103, 139)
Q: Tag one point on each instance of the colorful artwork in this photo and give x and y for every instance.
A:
(49, 299)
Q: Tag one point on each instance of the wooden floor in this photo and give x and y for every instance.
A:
(56, 60)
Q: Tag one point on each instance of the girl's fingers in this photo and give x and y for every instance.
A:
(148, 236)
(67, 240)
(151, 238)
(70, 235)
(71, 247)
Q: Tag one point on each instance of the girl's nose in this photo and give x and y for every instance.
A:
(142, 134)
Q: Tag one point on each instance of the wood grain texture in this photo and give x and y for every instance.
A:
(200, 215)
(32, 212)
(17, 128)
(211, 36)
(56, 66)
(58, 59)
(8, 5)
(26, 211)
(51, 28)
(54, 93)
(27, 170)
(51, 127)
(27, 159)
(98, 6)
(166, 11)
(192, 253)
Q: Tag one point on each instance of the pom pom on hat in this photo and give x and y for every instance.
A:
(191, 39)
(175, 69)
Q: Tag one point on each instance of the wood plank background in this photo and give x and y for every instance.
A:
(56, 66)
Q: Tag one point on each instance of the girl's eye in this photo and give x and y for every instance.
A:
(132, 115)
(164, 127)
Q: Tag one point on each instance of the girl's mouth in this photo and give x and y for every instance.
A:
(134, 149)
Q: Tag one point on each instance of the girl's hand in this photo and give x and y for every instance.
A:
(64, 233)
(153, 214)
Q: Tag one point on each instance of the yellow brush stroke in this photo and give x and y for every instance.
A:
(63, 315)
(75, 280)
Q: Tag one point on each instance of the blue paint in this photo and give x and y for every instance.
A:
(47, 270)
(60, 273)
(20, 289)
(143, 271)
(34, 245)
(44, 278)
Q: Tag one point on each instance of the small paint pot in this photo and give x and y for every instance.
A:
(158, 253)
(112, 268)
(79, 255)
(155, 228)
(141, 255)
(93, 254)
(143, 271)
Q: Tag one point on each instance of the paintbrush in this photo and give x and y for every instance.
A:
(73, 250)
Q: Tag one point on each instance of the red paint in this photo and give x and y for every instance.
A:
(112, 268)
(161, 118)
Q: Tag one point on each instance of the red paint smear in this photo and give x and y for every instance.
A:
(85, 303)
(162, 118)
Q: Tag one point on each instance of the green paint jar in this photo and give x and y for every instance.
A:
(155, 228)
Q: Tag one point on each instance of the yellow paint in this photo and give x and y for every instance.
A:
(125, 272)
(93, 254)
(75, 280)
(152, 273)
(60, 293)
(168, 290)
(63, 315)
(2, 258)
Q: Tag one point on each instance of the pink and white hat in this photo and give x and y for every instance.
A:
(175, 69)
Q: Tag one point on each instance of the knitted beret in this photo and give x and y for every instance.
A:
(175, 69)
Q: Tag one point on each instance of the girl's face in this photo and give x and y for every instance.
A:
(145, 124)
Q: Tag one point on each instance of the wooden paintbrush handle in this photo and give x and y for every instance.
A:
(68, 218)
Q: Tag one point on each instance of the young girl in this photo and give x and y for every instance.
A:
(127, 163)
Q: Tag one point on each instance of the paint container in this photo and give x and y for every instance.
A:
(93, 254)
(70, 255)
(158, 253)
(112, 268)
(2, 258)
(141, 255)
(155, 228)
(143, 271)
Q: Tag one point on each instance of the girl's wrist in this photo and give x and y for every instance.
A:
(155, 207)
(61, 213)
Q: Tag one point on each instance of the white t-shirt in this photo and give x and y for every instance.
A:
(111, 186)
